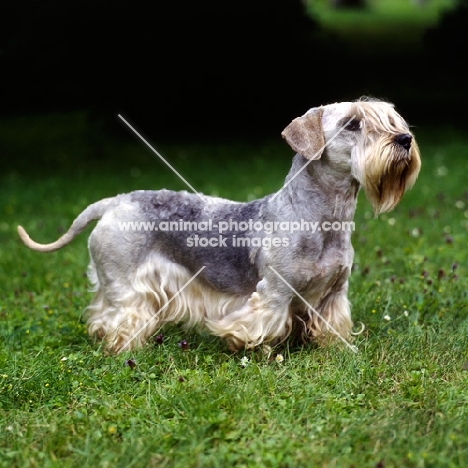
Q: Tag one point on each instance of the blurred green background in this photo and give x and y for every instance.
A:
(208, 70)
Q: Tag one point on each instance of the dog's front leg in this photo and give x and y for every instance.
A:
(264, 319)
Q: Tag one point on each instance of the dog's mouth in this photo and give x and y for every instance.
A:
(400, 154)
(386, 177)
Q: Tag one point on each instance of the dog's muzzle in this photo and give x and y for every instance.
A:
(404, 140)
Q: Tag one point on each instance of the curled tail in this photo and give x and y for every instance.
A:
(91, 213)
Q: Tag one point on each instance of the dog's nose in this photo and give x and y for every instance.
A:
(404, 140)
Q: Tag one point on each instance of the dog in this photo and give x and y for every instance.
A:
(252, 273)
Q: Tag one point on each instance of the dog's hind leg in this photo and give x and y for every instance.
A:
(121, 313)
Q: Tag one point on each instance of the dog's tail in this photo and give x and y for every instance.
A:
(91, 213)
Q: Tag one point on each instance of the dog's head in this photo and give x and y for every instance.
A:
(367, 139)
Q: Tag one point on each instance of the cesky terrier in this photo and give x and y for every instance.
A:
(253, 273)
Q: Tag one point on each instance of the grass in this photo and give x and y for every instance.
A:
(401, 401)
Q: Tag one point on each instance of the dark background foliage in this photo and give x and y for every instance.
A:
(212, 69)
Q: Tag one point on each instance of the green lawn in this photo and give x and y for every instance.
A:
(401, 401)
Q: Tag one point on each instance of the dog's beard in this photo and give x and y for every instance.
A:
(386, 170)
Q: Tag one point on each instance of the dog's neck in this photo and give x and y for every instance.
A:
(333, 192)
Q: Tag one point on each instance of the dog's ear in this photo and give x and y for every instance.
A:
(305, 134)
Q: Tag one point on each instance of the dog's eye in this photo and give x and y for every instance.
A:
(354, 125)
